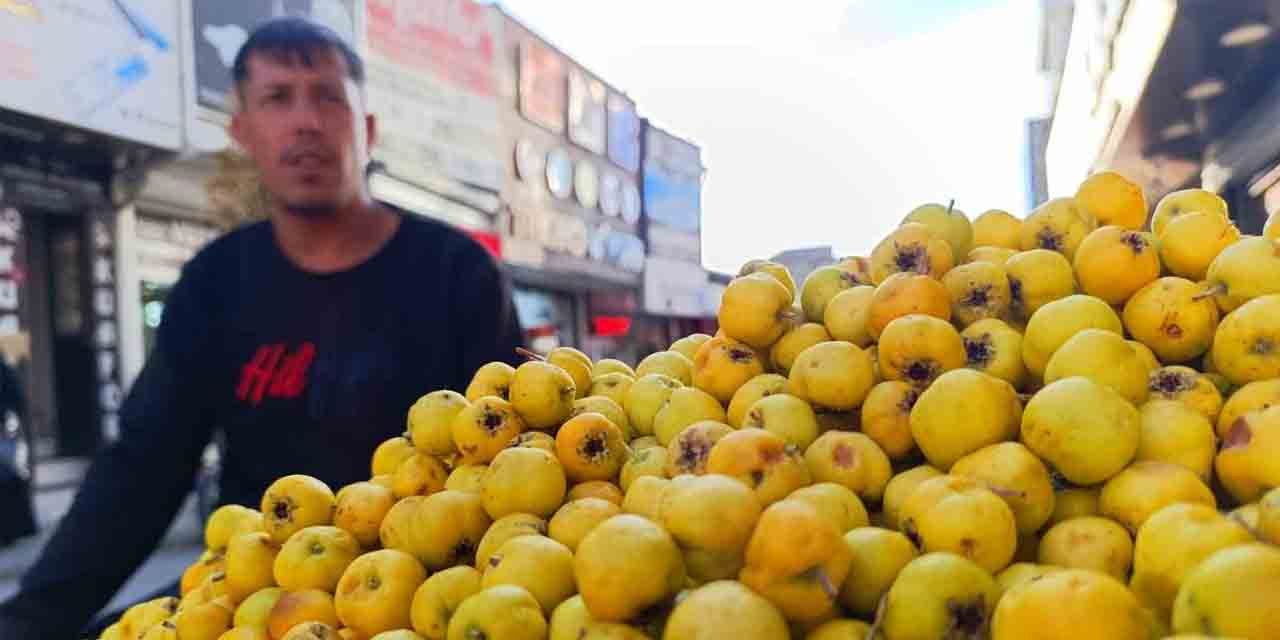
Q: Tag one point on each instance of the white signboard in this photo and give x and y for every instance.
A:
(675, 288)
(111, 66)
(433, 84)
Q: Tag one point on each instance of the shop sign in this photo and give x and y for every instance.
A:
(105, 327)
(674, 288)
(542, 85)
(678, 245)
(220, 27)
(110, 67)
(12, 271)
(587, 111)
(552, 230)
(624, 133)
(672, 181)
(537, 230)
(433, 83)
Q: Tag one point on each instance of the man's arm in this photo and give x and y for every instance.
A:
(488, 328)
(132, 490)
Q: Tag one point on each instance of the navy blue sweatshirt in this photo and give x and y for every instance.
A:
(302, 373)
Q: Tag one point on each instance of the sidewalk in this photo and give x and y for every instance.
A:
(53, 497)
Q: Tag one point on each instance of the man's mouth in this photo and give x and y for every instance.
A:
(308, 159)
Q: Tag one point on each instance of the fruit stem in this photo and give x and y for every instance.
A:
(529, 354)
(874, 631)
(951, 205)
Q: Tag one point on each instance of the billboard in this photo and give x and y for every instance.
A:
(586, 111)
(220, 27)
(624, 132)
(433, 83)
(542, 85)
(124, 80)
(672, 181)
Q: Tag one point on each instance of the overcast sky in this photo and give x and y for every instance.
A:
(830, 119)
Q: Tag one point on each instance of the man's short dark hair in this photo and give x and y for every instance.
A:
(292, 40)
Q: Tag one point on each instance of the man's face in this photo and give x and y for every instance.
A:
(305, 128)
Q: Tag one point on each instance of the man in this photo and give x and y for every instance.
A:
(304, 339)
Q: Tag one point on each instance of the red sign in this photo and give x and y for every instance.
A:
(542, 85)
(452, 40)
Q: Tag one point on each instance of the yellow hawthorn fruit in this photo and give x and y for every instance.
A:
(1188, 387)
(645, 397)
(1016, 475)
(1105, 358)
(1056, 322)
(590, 447)
(626, 565)
(1190, 242)
(293, 503)
(822, 285)
(1057, 225)
(906, 294)
(684, 407)
(419, 475)
(878, 556)
(689, 450)
(1246, 347)
(797, 560)
(485, 428)
(919, 348)
(505, 611)
(997, 228)
(784, 352)
(1233, 592)
(1111, 199)
(491, 379)
(947, 222)
(911, 248)
(723, 365)
(314, 558)
(851, 460)
(1185, 202)
(845, 319)
(523, 480)
(1083, 430)
(439, 530)
(994, 348)
(1248, 464)
(1172, 542)
(832, 376)
(886, 417)
(1174, 433)
(958, 515)
(1072, 603)
(749, 393)
(899, 488)
(541, 565)
(761, 460)
(1097, 544)
(669, 363)
(431, 421)
(978, 290)
(688, 345)
(1036, 278)
(755, 309)
(726, 609)
(1173, 319)
(961, 412)
(940, 595)
(504, 529)
(1247, 269)
(1112, 263)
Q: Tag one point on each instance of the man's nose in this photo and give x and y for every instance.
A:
(305, 116)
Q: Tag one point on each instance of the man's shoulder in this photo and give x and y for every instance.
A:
(445, 240)
(228, 249)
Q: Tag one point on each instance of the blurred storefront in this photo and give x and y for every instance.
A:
(571, 200)
(79, 126)
(679, 298)
(1173, 94)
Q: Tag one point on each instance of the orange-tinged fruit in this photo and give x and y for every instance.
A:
(1094, 543)
(626, 565)
(523, 480)
(689, 451)
(919, 348)
(315, 558)
(911, 248)
(1036, 278)
(540, 565)
(1112, 199)
(505, 611)
(296, 607)
(756, 310)
(360, 508)
(208, 563)
(484, 428)
(994, 348)
(1057, 225)
(1175, 433)
(961, 412)
(1191, 242)
(845, 319)
(723, 365)
(1173, 318)
(438, 597)
(978, 290)
(959, 515)
(590, 447)
(1019, 573)
(761, 460)
(293, 503)
(851, 460)
(312, 631)
(376, 592)
(832, 376)
(688, 345)
(797, 560)
(504, 529)
(419, 475)
(903, 295)
(229, 521)
(1233, 592)
(836, 503)
(1246, 347)
(1188, 387)
(602, 489)
(994, 255)
(948, 222)
(1186, 202)
(711, 512)
(491, 379)
(899, 489)
(1147, 486)
(254, 610)
(1112, 263)
(205, 621)
(1016, 475)
(1172, 542)
(886, 417)
(997, 228)
(573, 521)
(439, 530)
(726, 609)
(784, 352)
(468, 477)
(250, 561)
(1247, 462)
(431, 421)
(877, 557)
(388, 456)
(1072, 603)
(1254, 396)
(785, 415)
(1247, 269)
(940, 595)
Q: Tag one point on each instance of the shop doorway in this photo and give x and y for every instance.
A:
(63, 386)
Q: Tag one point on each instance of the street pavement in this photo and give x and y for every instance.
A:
(181, 546)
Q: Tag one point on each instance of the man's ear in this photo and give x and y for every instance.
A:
(238, 129)
(370, 131)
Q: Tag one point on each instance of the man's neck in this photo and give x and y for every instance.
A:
(336, 241)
